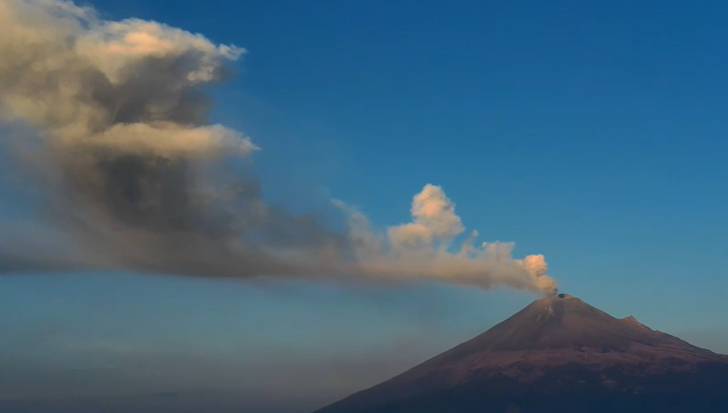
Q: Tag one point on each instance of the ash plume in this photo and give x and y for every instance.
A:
(115, 133)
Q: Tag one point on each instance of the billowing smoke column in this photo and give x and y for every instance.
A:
(424, 248)
(134, 173)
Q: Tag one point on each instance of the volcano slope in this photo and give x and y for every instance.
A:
(559, 354)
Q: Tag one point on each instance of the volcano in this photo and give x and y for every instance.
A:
(558, 354)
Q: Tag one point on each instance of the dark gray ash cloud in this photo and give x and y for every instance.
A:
(134, 174)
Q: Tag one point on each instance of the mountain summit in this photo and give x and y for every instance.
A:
(564, 323)
(557, 354)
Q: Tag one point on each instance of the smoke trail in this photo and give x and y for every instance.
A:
(133, 173)
(424, 248)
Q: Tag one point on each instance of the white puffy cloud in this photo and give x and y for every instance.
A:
(434, 220)
(82, 79)
(115, 46)
(170, 140)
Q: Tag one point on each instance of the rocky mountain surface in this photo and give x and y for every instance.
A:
(559, 354)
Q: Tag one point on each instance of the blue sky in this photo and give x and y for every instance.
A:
(593, 134)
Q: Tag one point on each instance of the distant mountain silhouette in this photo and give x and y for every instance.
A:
(559, 354)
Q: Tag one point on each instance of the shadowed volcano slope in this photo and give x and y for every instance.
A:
(557, 354)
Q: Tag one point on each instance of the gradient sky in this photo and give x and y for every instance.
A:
(593, 134)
